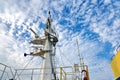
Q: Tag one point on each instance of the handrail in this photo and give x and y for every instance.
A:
(4, 70)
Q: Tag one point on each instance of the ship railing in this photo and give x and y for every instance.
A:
(72, 72)
(30, 74)
(62, 73)
(6, 72)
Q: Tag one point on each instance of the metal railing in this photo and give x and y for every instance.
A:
(6, 72)
(62, 73)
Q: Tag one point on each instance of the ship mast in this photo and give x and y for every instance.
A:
(48, 53)
(48, 72)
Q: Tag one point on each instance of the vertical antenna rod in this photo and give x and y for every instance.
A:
(80, 58)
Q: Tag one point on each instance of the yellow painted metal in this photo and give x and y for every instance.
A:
(115, 64)
(67, 72)
(87, 73)
(65, 77)
(60, 73)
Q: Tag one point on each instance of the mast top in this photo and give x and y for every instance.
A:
(49, 14)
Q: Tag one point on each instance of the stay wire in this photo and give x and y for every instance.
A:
(61, 57)
(66, 58)
(25, 66)
(40, 69)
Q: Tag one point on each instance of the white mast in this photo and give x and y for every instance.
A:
(48, 72)
(48, 53)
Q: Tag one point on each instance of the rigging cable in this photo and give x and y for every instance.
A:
(61, 57)
(67, 58)
(118, 47)
(25, 66)
(40, 69)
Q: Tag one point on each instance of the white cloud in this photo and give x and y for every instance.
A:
(19, 15)
(107, 1)
(89, 51)
(107, 33)
(23, 13)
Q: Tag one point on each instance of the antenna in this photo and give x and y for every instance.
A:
(80, 58)
(49, 14)
(48, 42)
(78, 48)
(36, 36)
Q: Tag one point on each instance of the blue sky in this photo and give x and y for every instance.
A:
(96, 24)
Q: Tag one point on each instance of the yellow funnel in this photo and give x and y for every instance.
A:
(115, 64)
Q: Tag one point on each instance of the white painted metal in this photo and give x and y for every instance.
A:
(48, 63)
(48, 53)
(46, 67)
